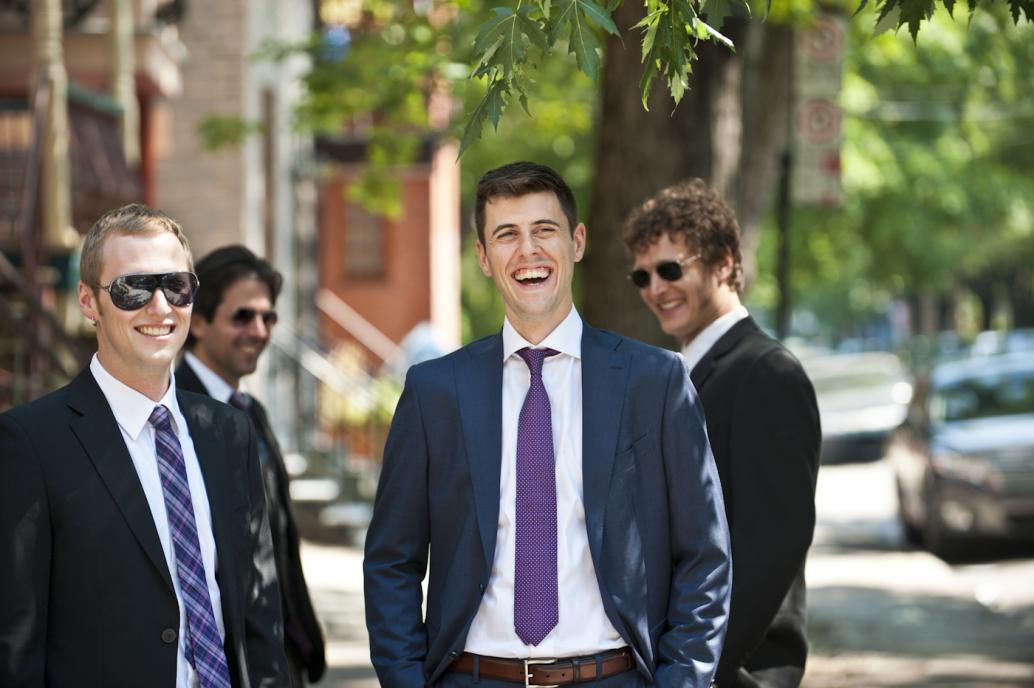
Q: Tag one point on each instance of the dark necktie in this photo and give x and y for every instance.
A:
(204, 649)
(242, 401)
(535, 605)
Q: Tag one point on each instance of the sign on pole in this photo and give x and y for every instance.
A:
(818, 71)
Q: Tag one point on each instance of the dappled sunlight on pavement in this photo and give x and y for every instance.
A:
(885, 615)
(335, 578)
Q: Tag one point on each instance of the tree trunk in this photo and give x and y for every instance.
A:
(728, 130)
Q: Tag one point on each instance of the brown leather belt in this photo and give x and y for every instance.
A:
(547, 672)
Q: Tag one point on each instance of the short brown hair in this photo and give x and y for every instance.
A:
(695, 213)
(520, 179)
(135, 218)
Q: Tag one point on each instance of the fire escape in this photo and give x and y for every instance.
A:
(62, 154)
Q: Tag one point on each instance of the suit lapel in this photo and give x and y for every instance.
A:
(604, 376)
(98, 432)
(187, 379)
(703, 369)
(479, 384)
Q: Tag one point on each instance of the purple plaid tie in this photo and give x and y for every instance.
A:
(535, 606)
(204, 649)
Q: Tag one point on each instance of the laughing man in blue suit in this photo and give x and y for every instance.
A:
(572, 516)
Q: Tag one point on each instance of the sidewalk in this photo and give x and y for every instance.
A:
(335, 578)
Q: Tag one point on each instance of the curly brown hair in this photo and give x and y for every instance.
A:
(695, 213)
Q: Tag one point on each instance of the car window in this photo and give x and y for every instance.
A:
(1007, 394)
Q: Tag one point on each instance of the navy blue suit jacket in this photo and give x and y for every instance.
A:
(653, 511)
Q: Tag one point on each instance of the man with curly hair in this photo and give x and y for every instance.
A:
(762, 422)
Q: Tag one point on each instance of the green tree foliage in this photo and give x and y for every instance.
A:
(936, 161)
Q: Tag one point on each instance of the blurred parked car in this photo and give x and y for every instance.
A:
(964, 459)
(862, 398)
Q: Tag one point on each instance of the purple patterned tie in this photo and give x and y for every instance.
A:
(535, 606)
(204, 649)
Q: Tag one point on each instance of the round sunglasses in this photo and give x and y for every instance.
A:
(669, 271)
(133, 292)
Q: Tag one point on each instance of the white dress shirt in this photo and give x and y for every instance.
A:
(217, 387)
(709, 336)
(583, 626)
(132, 411)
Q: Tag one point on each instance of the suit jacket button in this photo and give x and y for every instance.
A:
(168, 636)
(481, 587)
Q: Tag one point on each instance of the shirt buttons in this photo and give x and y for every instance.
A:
(168, 636)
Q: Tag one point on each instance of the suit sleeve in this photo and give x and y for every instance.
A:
(263, 623)
(397, 548)
(698, 603)
(24, 560)
(774, 457)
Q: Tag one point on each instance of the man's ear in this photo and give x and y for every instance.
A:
(483, 259)
(579, 237)
(724, 267)
(88, 305)
(198, 326)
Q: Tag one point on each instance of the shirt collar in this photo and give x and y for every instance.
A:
(217, 387)
(131, 408)
(702, 343)
(565, 337)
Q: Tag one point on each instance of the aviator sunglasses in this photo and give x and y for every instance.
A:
(133, 292)
(669, 271)
(242, 317)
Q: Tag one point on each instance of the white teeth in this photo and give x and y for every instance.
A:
(531, 273)
(156, 331)
(668, 305)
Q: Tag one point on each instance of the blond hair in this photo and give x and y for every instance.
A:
(135, 218)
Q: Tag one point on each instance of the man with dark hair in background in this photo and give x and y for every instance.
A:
(230, 327)
(762, 421)
(559, 480)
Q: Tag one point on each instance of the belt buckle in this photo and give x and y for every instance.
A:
(528, 663)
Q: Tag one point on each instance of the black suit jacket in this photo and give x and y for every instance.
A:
(763, 424)
(302, 632)
(86, 597)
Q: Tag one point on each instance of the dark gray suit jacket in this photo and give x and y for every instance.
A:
(86, 597)
(653, 511)
(302, 633)
(763, 424)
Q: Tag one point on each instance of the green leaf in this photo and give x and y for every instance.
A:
(599, 16)
(650, 22)
(716, 11)
(1026, 6)
(533, 30)
(913, 13)
(582, 39)
(490, 107)
(500, 41)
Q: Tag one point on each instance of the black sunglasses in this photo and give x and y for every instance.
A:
(242, 317)
(669, 271)
(133, 292)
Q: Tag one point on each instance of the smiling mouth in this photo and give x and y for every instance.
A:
(532, 275)
(669, 305)
(156, 330)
